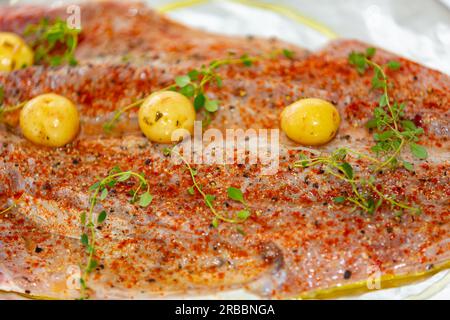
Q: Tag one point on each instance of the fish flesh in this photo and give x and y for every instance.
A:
(296, 244)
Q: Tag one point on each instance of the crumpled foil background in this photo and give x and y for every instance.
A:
(416, 29)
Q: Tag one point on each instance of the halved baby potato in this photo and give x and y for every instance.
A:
(50, 120)
(14, 52)
(310, 122)
(164, 112)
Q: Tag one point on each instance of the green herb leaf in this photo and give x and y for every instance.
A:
(95, 186)
(288, 53)
(408, 125)
(191, 190)
(243, 214)
(246, 60)
(209, 199)
(212, 105)
(193, 75)
(219, 81)
(103, 194)
(215, 223)
(359, 61)
(408, 166)
(182, 81)
(372, 124)
(188, 91)
(384, 100)
(418, 151)
(92, 265)
(235, 194)
(384, 135)
(84, 240)
(83, 218)
(199, 101)
(347, 169)
(101, 217)
(394, 65)
(339, 199)
(124, 177)
(145, 199)
(370, 52)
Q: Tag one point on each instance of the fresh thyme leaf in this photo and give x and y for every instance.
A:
(418, 151)
(124, 177)
(92, 265)
(209, 199)
(83, 218)
(246, 60)
(384, 100)
(182, 81)
(408, 125)
(212, 105)
(243, 214)
(101, 217)
(339, 199)
(193, 75)
(359, 60)
(235, 194)
(371, 124)
(94, 186)
(370, 52)
(215, 223)
(408, 166)
(347, 169)
(199, 101)
(219, 81)
(384, 136)
(191, 191)
(84, 240)
(145, 199)
(188, 91)
(394, 65)
(103, 194)
(288, 53)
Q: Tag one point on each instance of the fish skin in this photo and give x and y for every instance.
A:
(296, 244)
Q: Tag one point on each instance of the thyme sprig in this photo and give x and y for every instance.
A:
(99, 192)
(365, 192)
(393, 132)
(233, 194)
(195, 84)
(53, 43)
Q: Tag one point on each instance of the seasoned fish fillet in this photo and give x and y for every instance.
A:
(297, 243)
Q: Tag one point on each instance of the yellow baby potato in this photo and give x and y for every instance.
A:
(14, 52)
(162, 113)
(50, 120)
(310, 122)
